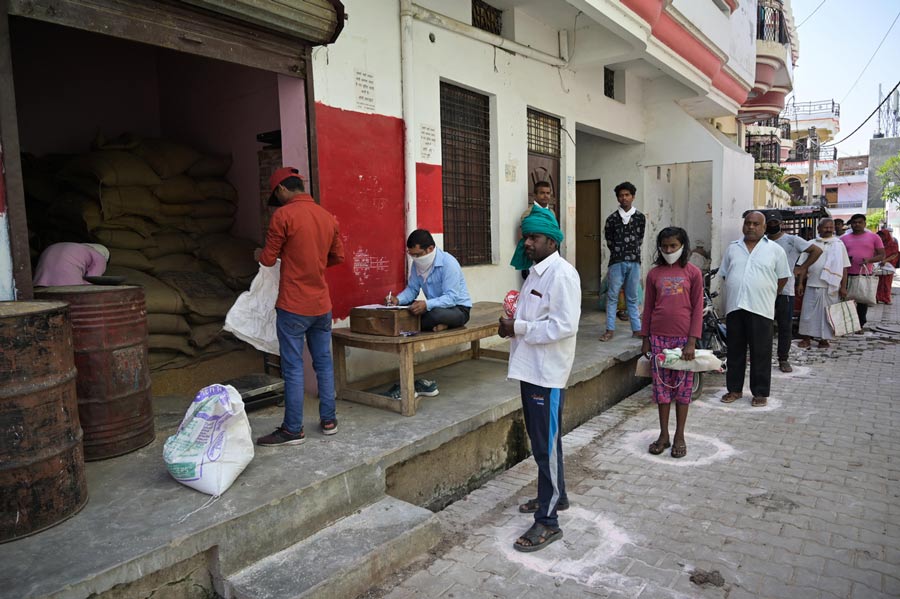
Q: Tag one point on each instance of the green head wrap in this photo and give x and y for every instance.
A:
(542, 221)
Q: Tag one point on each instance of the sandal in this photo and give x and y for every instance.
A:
(730, 397)
(607, 336)
(533, 505)
(657, 448)
(679, 450)
(804, 344)
(758, 402)
(823, 344)
(537, 537)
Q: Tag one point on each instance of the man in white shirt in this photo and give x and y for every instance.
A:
(793, 247)
(541, 356)
(755, 271)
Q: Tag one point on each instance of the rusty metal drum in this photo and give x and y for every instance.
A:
(109, 333)
(41, 461)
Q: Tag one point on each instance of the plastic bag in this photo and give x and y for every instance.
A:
(252, 317)
(704, 360)
(510, 302)
(213, 444)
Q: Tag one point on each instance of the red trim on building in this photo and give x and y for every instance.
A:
(765, 77)
(730, 86)
(649, 10)
(429, 197)
(732, 5)
(685, 44)
(361, 182)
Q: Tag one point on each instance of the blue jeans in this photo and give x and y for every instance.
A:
(292, 329)
(629, 275)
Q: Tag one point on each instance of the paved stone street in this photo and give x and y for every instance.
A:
(798, 499)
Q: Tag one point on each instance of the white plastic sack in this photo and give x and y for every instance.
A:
(704, 360)
(252, 317)
(213, 443)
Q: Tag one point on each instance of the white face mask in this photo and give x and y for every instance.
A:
(423, 263)
(673, 257)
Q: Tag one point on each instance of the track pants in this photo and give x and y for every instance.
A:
(543, 408)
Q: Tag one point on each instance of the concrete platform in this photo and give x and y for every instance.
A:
(142, 533)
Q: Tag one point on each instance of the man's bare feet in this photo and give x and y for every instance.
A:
(636, 334)
(440, 327)
(607, 336)
(823, 344)
(804, 344)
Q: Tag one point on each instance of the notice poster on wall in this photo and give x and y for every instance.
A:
(365, 91)
(427, 141)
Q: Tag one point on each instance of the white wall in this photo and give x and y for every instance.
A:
(7, 283)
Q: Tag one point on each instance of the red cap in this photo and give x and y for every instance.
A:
(280, 175)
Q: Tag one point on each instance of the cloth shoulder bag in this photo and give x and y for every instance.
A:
(862, 288)
(843, 319)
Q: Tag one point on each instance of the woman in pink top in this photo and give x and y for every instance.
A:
(673, 318)
(865, 249)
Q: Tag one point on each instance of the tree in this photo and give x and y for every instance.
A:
(889, 177)
(875, 219)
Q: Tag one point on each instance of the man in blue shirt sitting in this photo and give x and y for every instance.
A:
(447, 303)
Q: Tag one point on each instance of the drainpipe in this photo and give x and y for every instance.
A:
(407, 98)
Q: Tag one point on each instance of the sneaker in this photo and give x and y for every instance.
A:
(394, 392)
(281, 437)
(328, 427)
(426, 387)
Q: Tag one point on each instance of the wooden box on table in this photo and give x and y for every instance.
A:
(386, 322)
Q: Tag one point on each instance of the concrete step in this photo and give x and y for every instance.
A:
(343, 560)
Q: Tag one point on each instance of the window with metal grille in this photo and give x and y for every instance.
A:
(466, 164)
(543, 133)
(609, 83)
(486, 17)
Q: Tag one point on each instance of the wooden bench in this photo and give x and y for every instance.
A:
(482, 323)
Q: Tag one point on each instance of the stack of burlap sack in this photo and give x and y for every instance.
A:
(164, 211)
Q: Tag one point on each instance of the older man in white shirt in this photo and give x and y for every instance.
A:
(755, 271)
(541, 356)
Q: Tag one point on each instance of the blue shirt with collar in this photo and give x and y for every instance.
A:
(445, 286)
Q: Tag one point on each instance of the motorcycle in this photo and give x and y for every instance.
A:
(714, 333)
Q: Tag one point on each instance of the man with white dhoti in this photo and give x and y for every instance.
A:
(826, 284)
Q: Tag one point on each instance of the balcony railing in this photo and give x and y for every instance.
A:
(780, 123)
(851, 204)
(808, 108)
(770, 22)
(800, 153)
(764, 148)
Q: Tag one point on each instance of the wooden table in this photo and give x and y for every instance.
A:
(482, 323)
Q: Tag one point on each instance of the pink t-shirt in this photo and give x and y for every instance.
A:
(673, 301)
(860, 248)
(67, 264)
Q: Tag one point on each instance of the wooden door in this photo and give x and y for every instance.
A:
(588, 230)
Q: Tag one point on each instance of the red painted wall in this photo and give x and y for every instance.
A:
(429, 197)
(361, 183)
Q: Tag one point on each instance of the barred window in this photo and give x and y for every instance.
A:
(486, 17)
(609, 83)
(466, 163)
(543, 133)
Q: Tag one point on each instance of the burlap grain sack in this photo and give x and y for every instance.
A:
(141, 226)
(210, 167)
(72, 208)
(217, 189)
(164, 358)
(159, 297)
(176, 209)
(121, 238)
(125, 141)
(170, 243)
(180, 189)
(176, 223)
(113, 168)
(167, 324)
(179, 262)
(196, 319)
(213, 208)
(132, 200)
(43, 187)
(177, 343)
(129, 259)
(233, 255)
(201, 292)
(167, 158)
(213, 224)
(204, 334)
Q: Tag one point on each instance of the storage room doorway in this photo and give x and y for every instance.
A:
(154, 153)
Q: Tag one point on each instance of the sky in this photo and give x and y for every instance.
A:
(835, 44)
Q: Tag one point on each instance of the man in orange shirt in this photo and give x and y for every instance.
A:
(306, 238)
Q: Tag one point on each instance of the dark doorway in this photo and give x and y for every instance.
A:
(588, 229)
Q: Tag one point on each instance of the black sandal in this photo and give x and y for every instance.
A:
(533, 505)
(538, 537)
(679, 450)
(657, 448)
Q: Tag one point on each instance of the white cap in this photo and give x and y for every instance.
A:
(100, 249)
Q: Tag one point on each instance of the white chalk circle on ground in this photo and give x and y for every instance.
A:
(701, 449)
(711, 398)
(589, 541)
